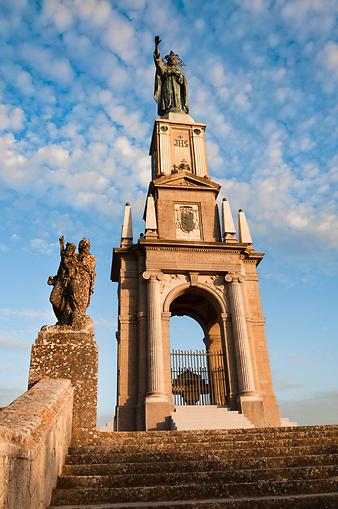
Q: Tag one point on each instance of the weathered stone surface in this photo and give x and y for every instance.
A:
(35, 433)
(269, 467)
(66, 352)
(317, 501)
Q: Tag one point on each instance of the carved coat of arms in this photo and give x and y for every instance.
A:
(187, 219)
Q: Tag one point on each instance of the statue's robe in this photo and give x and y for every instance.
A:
(170, 91)
(81, 286)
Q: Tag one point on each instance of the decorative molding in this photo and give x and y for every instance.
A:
(169, 281)
(127, 319)
(181, 182)
(193, 278)
(214, 280)
(188, 248)
(149, 274)
(166, 315)
(234, 277)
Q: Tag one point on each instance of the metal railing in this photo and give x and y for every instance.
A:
(198, 377)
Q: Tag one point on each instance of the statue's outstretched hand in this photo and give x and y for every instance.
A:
(157, 40)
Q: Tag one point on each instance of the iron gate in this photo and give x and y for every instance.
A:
(198, 377)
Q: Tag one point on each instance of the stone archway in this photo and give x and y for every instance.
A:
(208, 309)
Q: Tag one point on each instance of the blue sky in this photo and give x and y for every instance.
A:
(76, 114)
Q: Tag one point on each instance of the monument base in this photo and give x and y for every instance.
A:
(252, 408)
(157, 413)
(62, 351)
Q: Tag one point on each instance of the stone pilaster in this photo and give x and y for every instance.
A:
(198, 143)
(246, 378)
(229, 355)
(165, 149)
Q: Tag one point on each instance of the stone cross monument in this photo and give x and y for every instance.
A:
(187, 262)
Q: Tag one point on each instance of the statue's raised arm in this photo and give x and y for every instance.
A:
(157, 43)
(170, 91)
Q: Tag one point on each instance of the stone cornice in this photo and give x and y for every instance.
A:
(247, 255)
(194, 182)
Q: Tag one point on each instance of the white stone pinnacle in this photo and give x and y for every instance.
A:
(127, 227)
(228, 226)
(243, 228)
(151, 222)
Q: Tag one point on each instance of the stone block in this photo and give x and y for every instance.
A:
(157, 413)
(69, 353)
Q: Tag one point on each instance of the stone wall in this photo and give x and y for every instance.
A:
(35, 433)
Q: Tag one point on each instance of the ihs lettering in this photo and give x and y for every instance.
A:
(181, 142)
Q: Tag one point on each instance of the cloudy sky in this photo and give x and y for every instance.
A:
(76, 114)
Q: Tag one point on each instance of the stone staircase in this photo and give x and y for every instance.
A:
(195, 417)
(242, 469)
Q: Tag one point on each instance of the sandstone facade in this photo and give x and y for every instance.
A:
(187, 263)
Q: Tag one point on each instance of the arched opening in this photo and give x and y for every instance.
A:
(198, 367)
(185, 333)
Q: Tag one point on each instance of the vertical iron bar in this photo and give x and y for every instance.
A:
(211, 377)
(196, 398)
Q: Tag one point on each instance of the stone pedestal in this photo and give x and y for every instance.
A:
(252, 407)
(60, 351)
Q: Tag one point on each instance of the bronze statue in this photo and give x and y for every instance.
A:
(73, 284)
(170, 91)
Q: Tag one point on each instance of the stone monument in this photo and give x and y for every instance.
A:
(68, 349)
(187, 262)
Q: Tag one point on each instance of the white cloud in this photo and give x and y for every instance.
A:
(57, 13)
(11, 117)
(42, 246)
(52, 155)
(24, 313)
(215, 160)
(308, 16)
(17, 77)
(329, 56)
(255, 6)
(47, 63)
(119, 36)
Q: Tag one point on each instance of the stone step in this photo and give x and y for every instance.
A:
(203, 446)
(202, 477)
(195, 417)
(312, 501)
(205, 435)
(116, 468)
(198, 454)
(187, 492)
